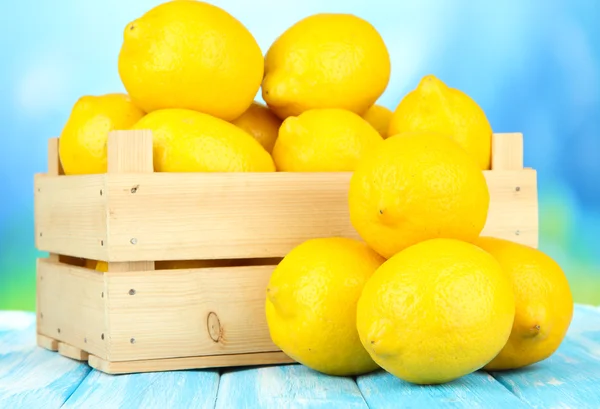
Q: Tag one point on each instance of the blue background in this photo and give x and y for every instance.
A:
(533, 66)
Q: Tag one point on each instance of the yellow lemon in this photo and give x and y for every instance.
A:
(544, 304)
(379, 117)
(83, 140)
(311, 304)
(436, 311)
(190, 141)
(102, 266)
(261, 123)
(193, 55)
(433, 106)
(414, 187)
(326, 61)
(323, 140)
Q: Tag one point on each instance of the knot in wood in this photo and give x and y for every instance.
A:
(214, 327)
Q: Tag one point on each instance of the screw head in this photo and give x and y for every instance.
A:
(518, 188)
(132, 340)
(132, 292)
(133, 241)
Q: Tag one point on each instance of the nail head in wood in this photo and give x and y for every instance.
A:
(102, 336)
(132, 340)
(132, 292)
(133, 241)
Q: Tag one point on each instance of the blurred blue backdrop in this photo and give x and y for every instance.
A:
(534, 67)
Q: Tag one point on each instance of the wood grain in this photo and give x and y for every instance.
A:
(192, 362)
(570, 377)
(72, 306)
(162, 390)
(72, 352)
(70, 215)
(287, 386)
(477, 390)
(32, 377)
(507, 151)
(188, 313)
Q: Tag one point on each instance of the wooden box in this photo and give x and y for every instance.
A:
(138, 316)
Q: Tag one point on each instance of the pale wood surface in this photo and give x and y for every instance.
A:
(32, 378)
(131, 214)
(181, 313)
(507, 151)
(72, 307)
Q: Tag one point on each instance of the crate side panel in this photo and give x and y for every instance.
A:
(72, 306)
(179, 313)
(70, 215)
(170, 216)
(513, 213)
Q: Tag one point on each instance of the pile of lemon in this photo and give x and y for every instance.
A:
(422, 295)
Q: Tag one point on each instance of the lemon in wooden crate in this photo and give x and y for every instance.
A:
(434, 106)
(83, 140)
(323, 140)
(311, 304)
(414, 187)
(436, 311)
(326, 60)
(379, 117)
(190, 141)
(191, 54)
(261, 123)
(544, 303)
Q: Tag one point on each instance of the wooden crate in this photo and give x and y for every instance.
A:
(137, 317)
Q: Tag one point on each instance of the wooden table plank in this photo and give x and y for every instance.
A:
(287, 386)
(179, 389)
(570, 377)
(477, 390)
(31, 377)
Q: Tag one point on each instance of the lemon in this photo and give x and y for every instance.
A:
(190, 141)
(193, 55)
(327, 60)
(102, 266)
(436, 311)
(323, 140)
(544, 303)
(311, 304)
(379, 117)
(261, 123)
(433, 106)
(83, 140)
(417, 186)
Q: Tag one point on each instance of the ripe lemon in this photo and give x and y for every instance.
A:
(261, 123)
(323, 140)
(379, 117)
(311, 304)
(83, 140)
(326, 61)
(190, 141)
(193, 55)
(414, 187)
(433, 106)
(544, 304)
(436, 311)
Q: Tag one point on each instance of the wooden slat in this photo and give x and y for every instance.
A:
(185, 216)
(192, 362)
(72, 306)
(571, 376)
(513, 213)
(477, 390)
(54, 166)
(72, 352)
(507, 151)
(181, 313)
(32, 377)
(130, 152)
(70, 215)
(162, 390)
(47, 343)
(289, 386)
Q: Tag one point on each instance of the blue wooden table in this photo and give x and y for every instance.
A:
(31, 377)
